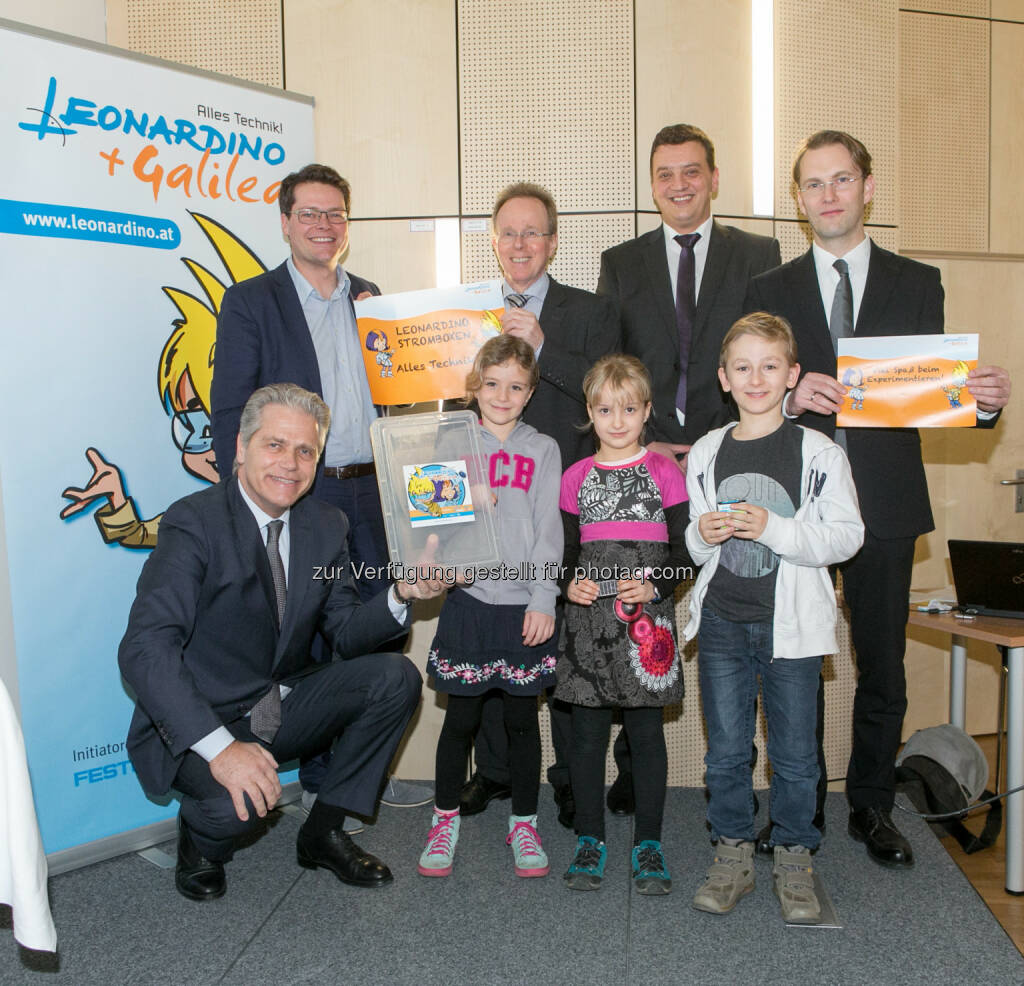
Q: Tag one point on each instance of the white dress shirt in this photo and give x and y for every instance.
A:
(857, 260)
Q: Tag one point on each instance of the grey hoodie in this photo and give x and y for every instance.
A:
(525, 473)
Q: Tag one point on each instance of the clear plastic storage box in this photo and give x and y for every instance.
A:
(433, 480)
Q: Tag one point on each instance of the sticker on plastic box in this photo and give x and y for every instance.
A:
(438, 493)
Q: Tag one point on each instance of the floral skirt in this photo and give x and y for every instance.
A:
(607, 661)
(479, 646)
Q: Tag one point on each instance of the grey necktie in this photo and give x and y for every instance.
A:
(265, 717)
(277, 566)
(840, 322)
(517, 300)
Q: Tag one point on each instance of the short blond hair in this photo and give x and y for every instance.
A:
(773, 328)
(618, 372)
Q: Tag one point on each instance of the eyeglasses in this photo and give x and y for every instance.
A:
(310, 216)
(840, 183)
(528, 236)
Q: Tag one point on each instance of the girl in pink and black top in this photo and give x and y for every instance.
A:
(625, 513)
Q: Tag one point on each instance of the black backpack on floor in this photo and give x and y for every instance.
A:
(943, 772)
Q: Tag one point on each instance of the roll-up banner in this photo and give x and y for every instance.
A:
(133, 192)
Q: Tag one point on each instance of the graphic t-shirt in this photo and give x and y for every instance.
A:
(766, 472)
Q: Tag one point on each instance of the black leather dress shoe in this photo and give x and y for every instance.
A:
(885, 843)
(763, 839)
(479, 792)
(566, 805)
(195, 876)
(336, 852)
(620, 795)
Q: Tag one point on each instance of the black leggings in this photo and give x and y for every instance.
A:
(460, 725)
(590, 731)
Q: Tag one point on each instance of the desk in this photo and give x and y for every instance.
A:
(1009, 634)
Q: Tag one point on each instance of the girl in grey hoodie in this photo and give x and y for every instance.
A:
(497, 633)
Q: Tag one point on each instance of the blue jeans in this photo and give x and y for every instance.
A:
(731, 656)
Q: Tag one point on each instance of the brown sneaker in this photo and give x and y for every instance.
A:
(793, 874)
(730, 877)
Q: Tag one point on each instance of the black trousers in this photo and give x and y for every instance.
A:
(523, 742)
(590, 730)
(359, 500)
(362, 706)
(491, 753)
(876, 584)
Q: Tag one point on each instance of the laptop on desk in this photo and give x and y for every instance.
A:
(989, 577)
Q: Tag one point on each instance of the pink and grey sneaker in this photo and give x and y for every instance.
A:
(439, 853)
(528, 855)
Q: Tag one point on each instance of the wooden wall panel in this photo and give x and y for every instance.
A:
(81, 18)
(1006, 229)
(546, 95)
(964, 467)
(959, 8)
(1008, 10)
(693, 66)
(388, 253)
(241, 38)
(944, 94)
(836, 69)
(383, 75)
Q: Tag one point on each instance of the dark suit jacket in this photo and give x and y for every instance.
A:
(635, 275)
(203, 645)
(262, 338)
(901, 297)
(579, 328)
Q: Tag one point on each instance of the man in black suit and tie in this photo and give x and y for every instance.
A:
(680, 287)
(569, 330)
(217, 652)
(846, 285)
(297, 323)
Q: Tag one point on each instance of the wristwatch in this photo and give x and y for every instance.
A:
(398, 598)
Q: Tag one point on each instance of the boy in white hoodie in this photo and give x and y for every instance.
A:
(772, 506)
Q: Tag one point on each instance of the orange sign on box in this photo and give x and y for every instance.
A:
(419, 345)
(907, 381)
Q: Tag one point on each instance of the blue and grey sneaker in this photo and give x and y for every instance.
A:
(650, 874)
(587, 869)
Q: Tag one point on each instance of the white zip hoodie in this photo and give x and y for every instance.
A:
(826, 529)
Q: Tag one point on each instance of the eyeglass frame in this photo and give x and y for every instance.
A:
(317, 213)
(839, 183)
(527, 236)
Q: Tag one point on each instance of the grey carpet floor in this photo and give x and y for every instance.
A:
(121, 921)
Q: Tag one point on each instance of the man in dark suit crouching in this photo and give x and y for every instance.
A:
(217, 652)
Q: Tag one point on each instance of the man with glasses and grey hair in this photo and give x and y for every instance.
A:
(569, 330)
(847, 285)
(297, 323)
(217, 653)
